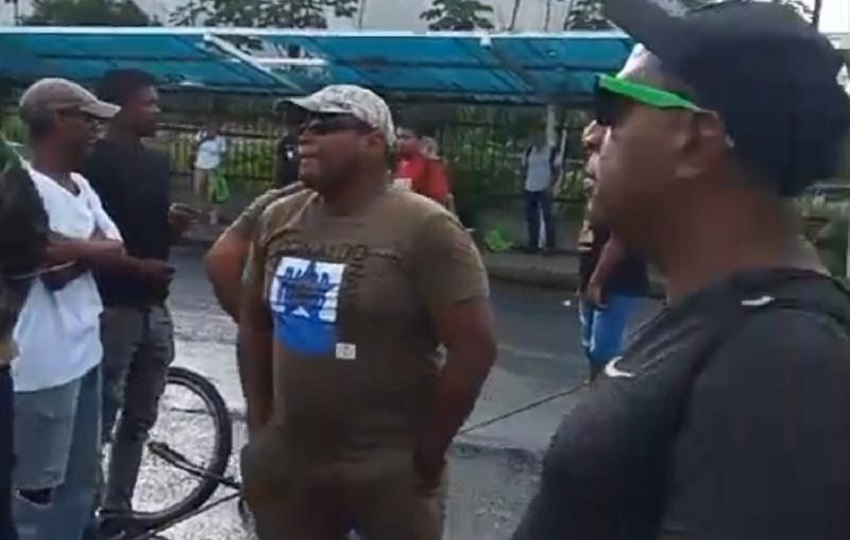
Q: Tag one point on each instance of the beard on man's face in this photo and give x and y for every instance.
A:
(146, 127)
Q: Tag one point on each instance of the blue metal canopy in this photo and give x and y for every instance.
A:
(455, 66)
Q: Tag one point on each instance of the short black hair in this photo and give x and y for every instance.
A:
(118, 86)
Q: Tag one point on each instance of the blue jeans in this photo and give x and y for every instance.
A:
(539, 204)
(602, 330)
(57, 444)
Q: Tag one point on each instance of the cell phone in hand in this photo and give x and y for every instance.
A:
(186, 209)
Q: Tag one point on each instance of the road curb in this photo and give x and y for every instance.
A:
(527, 276)
(548, 279)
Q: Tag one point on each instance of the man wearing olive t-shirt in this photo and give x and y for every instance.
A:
(351, 288)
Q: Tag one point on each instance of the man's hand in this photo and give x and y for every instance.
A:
(154, 270)
(55, 280)
(181, 218)
(429, 464)
(593, 295)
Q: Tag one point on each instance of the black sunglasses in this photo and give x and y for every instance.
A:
(76, 113)
(612, 98)
(326, 124)
(609, 108)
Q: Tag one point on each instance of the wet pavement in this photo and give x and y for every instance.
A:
(493, 467)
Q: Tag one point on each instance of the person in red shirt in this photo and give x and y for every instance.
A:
(423, 172)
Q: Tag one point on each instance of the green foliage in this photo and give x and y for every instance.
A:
(587, 14)
(458, 15)
(262, 13)
(88, 13)
(248, 166)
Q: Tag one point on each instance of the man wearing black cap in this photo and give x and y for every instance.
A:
(727, 418)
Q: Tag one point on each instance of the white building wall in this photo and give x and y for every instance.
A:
(382, 14)
(404, 14)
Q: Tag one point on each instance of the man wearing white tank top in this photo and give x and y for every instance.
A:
(57, 371)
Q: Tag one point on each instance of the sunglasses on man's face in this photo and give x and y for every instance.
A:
(327, 124)
(80, 115)
(613, 97)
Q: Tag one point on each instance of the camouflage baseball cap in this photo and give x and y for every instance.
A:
(60, 95)
(357, 101)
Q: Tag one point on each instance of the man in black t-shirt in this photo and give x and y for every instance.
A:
(286, 149)
(134, 184)
(728, 416)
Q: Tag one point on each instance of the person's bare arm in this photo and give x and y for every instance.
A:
(255, 344)
(466, 330)
(225, 264)
(92, 252)
(612, 255)
(453, 284)
(225, 261)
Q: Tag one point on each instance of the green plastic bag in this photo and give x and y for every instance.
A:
(497, 240)
(220, 192)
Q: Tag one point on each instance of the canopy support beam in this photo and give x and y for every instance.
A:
(231, 50)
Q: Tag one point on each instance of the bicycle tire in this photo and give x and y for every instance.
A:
(217, 466)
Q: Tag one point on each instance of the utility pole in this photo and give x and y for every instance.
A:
(547, 18)
(16, 11)
(361, 13)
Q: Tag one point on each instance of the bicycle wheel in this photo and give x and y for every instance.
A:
(188, 451)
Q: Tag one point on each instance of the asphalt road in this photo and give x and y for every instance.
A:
(493, 467)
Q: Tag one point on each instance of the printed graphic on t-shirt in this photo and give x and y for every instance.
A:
(303, 297)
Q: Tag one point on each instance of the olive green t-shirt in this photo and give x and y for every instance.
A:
(353, 300)
(247, 220)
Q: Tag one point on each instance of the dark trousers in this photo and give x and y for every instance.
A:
(138, 347)
(292, 498)
(7, 458)
(539, 204)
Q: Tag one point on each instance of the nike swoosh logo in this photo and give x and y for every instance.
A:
(612, 371)
(757, 302)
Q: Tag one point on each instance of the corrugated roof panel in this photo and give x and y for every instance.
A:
(513, 68)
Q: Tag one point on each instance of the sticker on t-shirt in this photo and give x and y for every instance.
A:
(346, 351)
(304, 297)
(403, 183)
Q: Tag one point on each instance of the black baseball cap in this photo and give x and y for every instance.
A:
(769, 74)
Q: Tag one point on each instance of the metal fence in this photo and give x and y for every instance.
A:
(484, 152)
